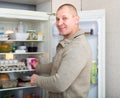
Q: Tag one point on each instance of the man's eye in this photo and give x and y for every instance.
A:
(64, 18)
(57, 19)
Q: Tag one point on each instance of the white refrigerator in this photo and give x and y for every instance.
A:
(93, 23)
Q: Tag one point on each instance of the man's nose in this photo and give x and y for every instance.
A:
(60, 22)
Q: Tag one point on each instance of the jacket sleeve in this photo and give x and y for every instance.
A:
(44, 68)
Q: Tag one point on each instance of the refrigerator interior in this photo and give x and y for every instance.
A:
(43, 48)
(22, 93)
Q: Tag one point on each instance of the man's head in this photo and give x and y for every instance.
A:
(67, 20)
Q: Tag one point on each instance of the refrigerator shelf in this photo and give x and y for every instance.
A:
(16, 71)
(23, 40)
(17, 88)
(24, 53)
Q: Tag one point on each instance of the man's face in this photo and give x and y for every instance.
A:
(65, 22)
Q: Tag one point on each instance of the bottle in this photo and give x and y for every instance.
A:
(1, 30)
(21, 28)
(14, 48)
(40, 36)
(94, 73)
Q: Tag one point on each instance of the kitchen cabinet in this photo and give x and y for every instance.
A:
(15, 25)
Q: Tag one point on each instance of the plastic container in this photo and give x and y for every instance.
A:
(29, 61)
(8, 84)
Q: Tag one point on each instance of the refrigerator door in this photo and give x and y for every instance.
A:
(93, 23)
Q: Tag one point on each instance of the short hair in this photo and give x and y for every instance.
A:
(68, 5)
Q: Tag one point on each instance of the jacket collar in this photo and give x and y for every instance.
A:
(64, 42)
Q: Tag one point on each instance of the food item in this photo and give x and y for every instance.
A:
(5, 81)
(4, 77)
(9, 84)
(32, 35)
(29, 63)
(5, 47)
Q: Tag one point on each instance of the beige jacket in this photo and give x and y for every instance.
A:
(70, 69)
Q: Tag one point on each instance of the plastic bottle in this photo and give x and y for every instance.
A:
(40, 36)
(21, 28)
(94, 73)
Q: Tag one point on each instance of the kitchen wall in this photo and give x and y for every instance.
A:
(57, 3)
(112, 38)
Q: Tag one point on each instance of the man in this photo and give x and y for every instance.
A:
(69, 73)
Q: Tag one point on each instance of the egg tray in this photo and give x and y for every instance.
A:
(12, 67)
(8, 84)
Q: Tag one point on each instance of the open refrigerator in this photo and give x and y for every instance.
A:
(93, 23)
(15, 25)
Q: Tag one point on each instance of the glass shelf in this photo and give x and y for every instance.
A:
(23, 40)
(23, 53)
(17, 88)
(15, 71)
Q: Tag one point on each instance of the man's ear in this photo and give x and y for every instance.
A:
(77, 18)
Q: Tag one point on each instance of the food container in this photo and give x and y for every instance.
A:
(21, 36)
(8, 84)
(40, 36)
(32, 35)
(29, 61)
(25, 78)
(32, 49)
(22, 47)
(5, 48)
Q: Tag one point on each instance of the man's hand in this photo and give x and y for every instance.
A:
(33, 78)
